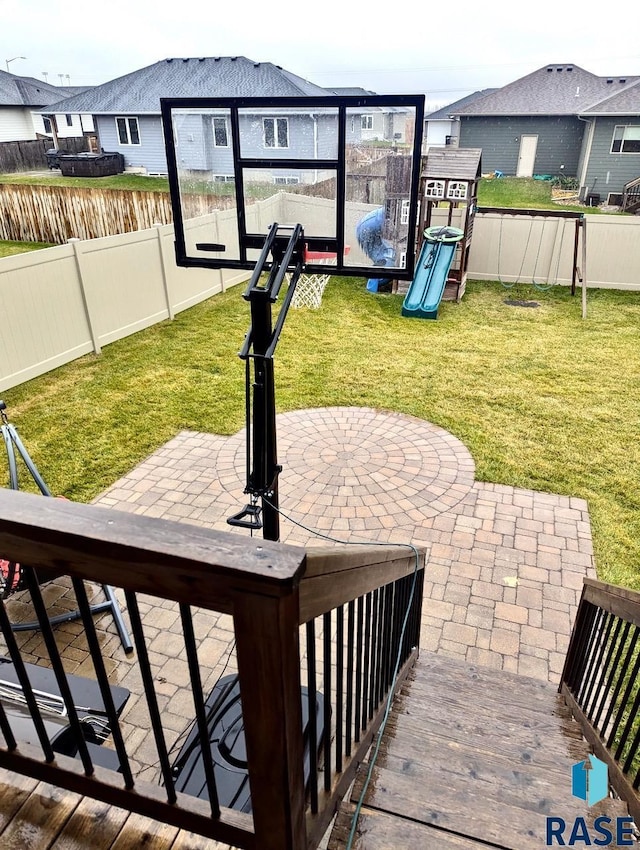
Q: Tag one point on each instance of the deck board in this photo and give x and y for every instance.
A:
(39, 816)
(470, 758)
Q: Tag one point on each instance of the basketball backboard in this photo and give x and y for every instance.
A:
(345, 168)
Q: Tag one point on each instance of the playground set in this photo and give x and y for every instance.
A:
(448, 205)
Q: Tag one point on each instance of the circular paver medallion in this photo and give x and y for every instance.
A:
(358, 469)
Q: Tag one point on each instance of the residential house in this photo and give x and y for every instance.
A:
(442, 127)
(66, 125)
(127, 118)
(382, 124)
(21, 99)
(560, 119)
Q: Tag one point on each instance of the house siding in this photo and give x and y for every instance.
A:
(196, 148)
(16, 124)
(149, 154)
(559, 142)
(606, 171)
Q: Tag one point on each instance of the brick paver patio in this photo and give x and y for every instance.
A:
(505, 565)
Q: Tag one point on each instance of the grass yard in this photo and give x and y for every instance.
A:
(131, 182)
(542, 399)
(522, 192)
(7, 248)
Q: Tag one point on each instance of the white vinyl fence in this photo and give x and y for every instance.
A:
(534, 249)
(60, 303)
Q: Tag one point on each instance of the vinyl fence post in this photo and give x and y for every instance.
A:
(165, 280)
(94, 337)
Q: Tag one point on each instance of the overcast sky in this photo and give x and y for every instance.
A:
(442, 50)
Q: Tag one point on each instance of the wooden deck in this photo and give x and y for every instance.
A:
(37, 816)
(471, 758)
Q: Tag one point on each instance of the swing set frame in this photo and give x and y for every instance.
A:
(579, 260)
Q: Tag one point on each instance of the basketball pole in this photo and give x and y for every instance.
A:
(283, 253)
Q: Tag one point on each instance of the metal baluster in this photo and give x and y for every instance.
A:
(58, 668)
(200, 708)
(608, 622)
(610, 644)
(349, 712)
(150, 694)
(103, 680)
(622, 675)
(339, 684)
(374, 655)
(313, 727)
(25, 684)
(613, 670)
(7, 731)
(326, 623)
(359, 662)
(365, 667)
(592, 651)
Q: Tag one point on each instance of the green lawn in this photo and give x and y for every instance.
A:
(130, 182)
(522, 192)
(9, 248)
(542, 398)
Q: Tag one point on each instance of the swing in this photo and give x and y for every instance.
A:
(539, 286)
(524, 255)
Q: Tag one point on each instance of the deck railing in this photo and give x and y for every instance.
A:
(631, 195)
(358, 611)
(601, 684)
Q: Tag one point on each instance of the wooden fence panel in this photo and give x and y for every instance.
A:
(29, 155)
(56, 214)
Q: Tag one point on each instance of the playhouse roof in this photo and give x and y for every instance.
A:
(453, 163)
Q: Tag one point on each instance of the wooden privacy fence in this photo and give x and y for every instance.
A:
(29, 155)
(57, 213)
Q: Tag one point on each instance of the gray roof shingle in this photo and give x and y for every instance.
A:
(222, 76)
(555, 89)
(26, 91)
(621, 102)
(453, 163)
(445, 112)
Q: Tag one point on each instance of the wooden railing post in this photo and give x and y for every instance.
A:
(268, 653)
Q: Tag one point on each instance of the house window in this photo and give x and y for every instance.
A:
(224, 178)
(626, 139)
(47, 124)
(220, 136)
(457, 189)
(434, 189)
(404, 212)
(286, 181)
(128, 132)
(69, 120)
(276, 132)
(367, 122)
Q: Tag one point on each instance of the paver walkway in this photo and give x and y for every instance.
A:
(505, 565)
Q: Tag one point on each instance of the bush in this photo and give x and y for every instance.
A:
(563, 181)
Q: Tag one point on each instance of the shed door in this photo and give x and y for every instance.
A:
(527, 156)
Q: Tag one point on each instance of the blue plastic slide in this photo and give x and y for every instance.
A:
(426, 290)
(380, 252)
